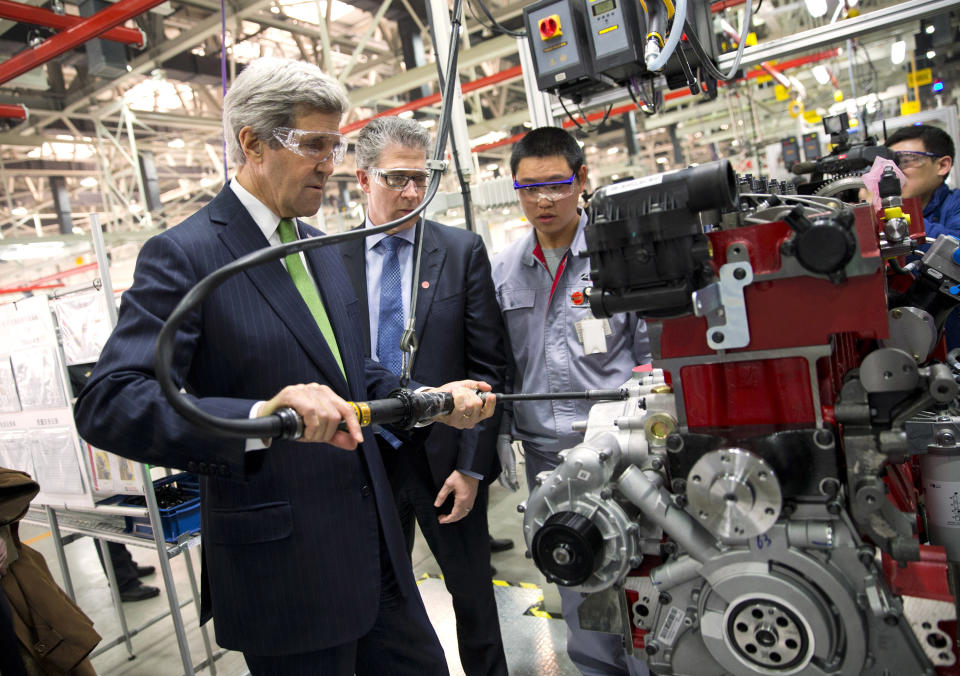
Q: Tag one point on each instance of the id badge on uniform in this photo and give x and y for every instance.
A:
(593, 333)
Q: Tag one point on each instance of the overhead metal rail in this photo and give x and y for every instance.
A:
(893, 16)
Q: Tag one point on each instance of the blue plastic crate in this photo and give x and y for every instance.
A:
(178, 520)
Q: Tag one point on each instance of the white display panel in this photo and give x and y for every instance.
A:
(37, 434)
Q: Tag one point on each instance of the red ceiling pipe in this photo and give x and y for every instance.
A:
(25, 289)
(69, 272)
(718, 7)
(669, 96)
(17, 11)
(14, 111)
(776, 74)
(86, 29)
(502, 142)
(466, 87)
(44, 282)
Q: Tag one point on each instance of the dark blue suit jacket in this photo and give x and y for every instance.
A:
(290, 538)
(460, 335)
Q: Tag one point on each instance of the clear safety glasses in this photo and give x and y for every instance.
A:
(550, 190)
(912, 158)
(398, 179)
(317, 146)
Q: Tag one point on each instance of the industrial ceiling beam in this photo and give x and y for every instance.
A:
(288, 25)
(76, 35)
(345, 71)
(38, 16)
(498, 47)
(154, 58)
(467, 87)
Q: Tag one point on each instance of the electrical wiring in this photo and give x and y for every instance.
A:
(496, 26)
(706, 62)
(652, 97)
(585, 128)
(476, 17)
(599, 125)
(572, 118)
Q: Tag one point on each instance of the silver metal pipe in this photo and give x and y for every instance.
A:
(645, 490)
(676, 572)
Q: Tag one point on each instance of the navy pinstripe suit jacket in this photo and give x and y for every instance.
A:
(290, 542)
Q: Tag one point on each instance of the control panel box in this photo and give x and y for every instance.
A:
(557, 44)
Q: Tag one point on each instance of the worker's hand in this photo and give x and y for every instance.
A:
(322, 410)
(468, 409)
(508, 462)
(3, 558)
(464, 489)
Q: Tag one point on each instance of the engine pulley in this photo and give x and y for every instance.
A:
(734, 493)
(568, 548)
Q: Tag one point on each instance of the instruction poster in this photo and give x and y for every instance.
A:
(37, 434)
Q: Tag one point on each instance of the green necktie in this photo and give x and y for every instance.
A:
(307, 289)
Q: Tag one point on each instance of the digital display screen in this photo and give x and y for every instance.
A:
(604, 7)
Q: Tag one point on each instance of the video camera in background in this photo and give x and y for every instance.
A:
(849, 159)
(581, 48)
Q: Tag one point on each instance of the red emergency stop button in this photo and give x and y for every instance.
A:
(550, 27)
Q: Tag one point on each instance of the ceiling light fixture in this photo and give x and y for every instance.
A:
(898, 52)
(817, 8)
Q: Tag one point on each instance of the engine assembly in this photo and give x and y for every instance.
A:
(780, 494)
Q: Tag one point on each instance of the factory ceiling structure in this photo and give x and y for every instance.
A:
(126, 126)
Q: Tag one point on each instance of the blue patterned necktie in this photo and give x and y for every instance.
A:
(391, 305)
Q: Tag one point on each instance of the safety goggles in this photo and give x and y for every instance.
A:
(398, 179)
(549, 190)
(911, 158)
(317, 146)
